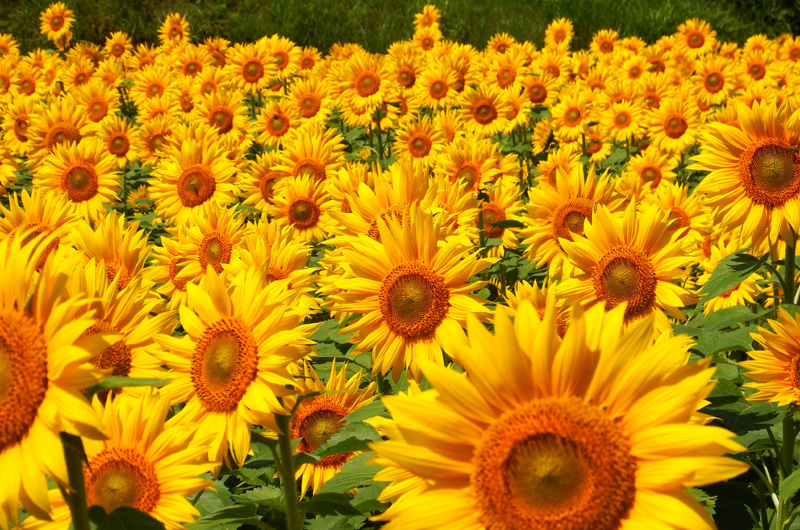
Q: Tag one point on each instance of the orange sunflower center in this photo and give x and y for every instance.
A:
(675, 126)
(471, 175)
(173, 273)
(309, 167)
(316, 421)
(156, 142)
(57, 22)
(625, 274)
(757, 71)
(572, 117)
(537, 92)
(113, 269)
(309, 105)
(484, 112)
(267, 185)
(215, 250)
(274, 274)
(419, 145)
(278, 125)
(714, 82)
(61, 132)
(117, 357)
(117, 49)
(304, 213)
(21, 129)
(221, 118)
(406, 78)
(492, 213)
(569, 218)
(414, 300)
(679, 220)
(224, 364)
(155, 90)
(98, 110)
(652, 175)
(121, 477)
(252, 71)
(27, 86)
(505, 76)
(80, 183)
(622, 120)
(438, 90)
(118, 144)
(555, 463)
(397, 212)
(695, 40)
(192, 67)
(195, 186)
(23, 375)
(770, 172)
(794, 373)
(367, 83)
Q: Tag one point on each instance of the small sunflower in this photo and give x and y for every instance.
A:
(674, 125)
(740, 294)
(275, 121)
(315, 153)
(774, 369)
(484, 110)
(304, 204)
(56, 20)
(210, 241)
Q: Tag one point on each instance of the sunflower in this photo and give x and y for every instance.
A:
(27, 81)
(8, 168)
(418, 141)
(58, 123)
(504, 70)
(714, 77)
(231, 367)
(603, 42)
(411, 292)
(275, 121)
(303, 204)
(631, 260)
(174, 30)
(740, 294)
(570, 116)
(774, 369)
(500, 43)
(565, 158)
(142, 465)
(365, 83)
(153, 80)
(97, 100)
(559, 32)
(258, 185)
(194, 174)
(318, 418)
(83, 173)
(754, 178)
(224, 111)
(45, 369)
(545, 433)
(210, 241)
(311, 97)
(285, 54)
(652, 167)
(18, 116)
(539, 298)
(152, 140)
(142, 56)
(484, 110)
(541, 88)
(429, 17)
(309, 58)
(436, 87)
(250, 67)
(56, 20)
(598, 148)
(317, 153)
(191, 60)
(427, 37)
(556, 213)
(696, 37)
(471, 159)
(118, 45)
(167, 263)
(10, 46)
(501, 203)
(207, 82)
(687, 214)
(673, 125)
(622, 121)
(77, 73)
(117, 135)
(554, 63)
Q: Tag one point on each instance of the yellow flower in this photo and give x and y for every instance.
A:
(56, 20)
(774, 369)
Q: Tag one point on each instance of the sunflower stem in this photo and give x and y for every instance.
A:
(788, 266)
(379, 113)
(76, 494)
(285, 466)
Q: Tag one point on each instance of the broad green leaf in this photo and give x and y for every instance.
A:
(729, 273)
(269, 496)
(352, 436)
(790, 485)
(336, 522)
(370, 410)
(228, 517)
(329, 504)
(123, 518)
(354, 473)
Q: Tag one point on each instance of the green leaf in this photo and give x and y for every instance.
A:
(123, 518)
(352, 436)
(116, 381)
(790, 485)
(370, 410)
(715, 342)
(269, 496)
(509, 223)
(235, 516)
(354, 473)
(329, 504)
(336, 522)
(729, 273)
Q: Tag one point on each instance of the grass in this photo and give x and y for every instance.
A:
(378, 23)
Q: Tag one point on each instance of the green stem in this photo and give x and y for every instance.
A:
(76, 495)
(788, 266)
(787, 452)
(380, 140)
(285, 465)
(503, 281)
(778, 275)
(197, 496)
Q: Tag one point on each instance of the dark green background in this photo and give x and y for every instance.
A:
(378, 23)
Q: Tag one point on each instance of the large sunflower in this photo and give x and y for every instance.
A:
(631, 260)
(545, 433)
(231, 366)
(411, 291)
(755, 173)
(45, 367)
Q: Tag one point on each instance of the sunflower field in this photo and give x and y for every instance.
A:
(255, 285)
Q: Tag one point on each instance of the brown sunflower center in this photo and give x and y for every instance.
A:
(80, 183)
(675, 126)
(304, 213)
(60, 133)
(117, 357)
(316, 421)
(470, 174)
(572, 117)
(156, 142)
(406, 78)
(192, 67)
(505, 76)
(492, 213)
(309, 167)
(606, 46)
(537, 93)
(118, 144)
(714, 82)
(195, 186)
(57, 22)
(695, 40)
(23, 375)
(278, 125)
(623, 119)
(98, 110)
(267, 185)
(224, 364)
(309, 105)
(569, 218)
(20, 129)
(414, 300)
(484, 112)
(397, 212)
(556, 463)
(794, 373)
(625, 274)
(113, 269)
(419, 145)
(757, 71)
(770, 172)
(117, 49)
(173, 273)
(121, 477)
(252, 71)
(367, 83)
(273, 274)
(652, 175)
(438, 90)
(221, 118)
(679, 220)
(154, 90)
(215, 250)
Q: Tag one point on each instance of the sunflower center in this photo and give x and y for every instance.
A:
(267, 185)
(274, 274)
(651, 175)
(427, 43)
(695, 40)
(492, 213)
(757, 71)
(419, 145)
(537, 92)
(215, 250)
(714, 82)
(438, 90)
(485, 113)
(80, 183)
(470, 174)
(222, 119)
(316, 421)
(309, 168)
(192, 68)
(794, 54)
(113, 269)
(278, 125)
(98, 110)
(367, 83)
(20, 129)
(794, 373)
(118, 145)
(505, 77)
(224, 364)
(61, 133)
(406, 78)
(572, 117)
(252, 71)
(307, 63)
(635, 72)
(606, 46)
(26, 87)
(173, 273)
(57, 22)
(309, 106)
(675, 127)
(623, 119)
(156, 142)
(319, 427)
(679, 220)
(281, 59)
(195, 186)
(304, 213)
(569, 218)
(81, 78)
(117, 50)
(117, 357)
(121, 477)
(155, 90)
(396, 212)
(556, 463)
(625, 274)
(23, 375)
(770, 172)
(414, 300)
